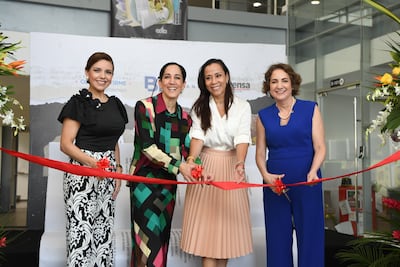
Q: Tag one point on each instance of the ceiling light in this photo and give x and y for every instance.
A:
(257, 4)
(315, 2)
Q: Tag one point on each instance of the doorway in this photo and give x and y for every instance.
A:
(341, 111)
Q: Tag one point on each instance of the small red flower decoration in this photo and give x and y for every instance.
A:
(103, 164)
(197, 171)
(396, 234)
(3, 242)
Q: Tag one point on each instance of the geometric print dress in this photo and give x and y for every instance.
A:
(161, 140)
(151, 230)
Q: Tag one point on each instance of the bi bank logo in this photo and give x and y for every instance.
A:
(150, 83)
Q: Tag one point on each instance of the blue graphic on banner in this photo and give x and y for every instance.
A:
(150, 83)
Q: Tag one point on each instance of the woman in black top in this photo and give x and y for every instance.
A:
(92, 124)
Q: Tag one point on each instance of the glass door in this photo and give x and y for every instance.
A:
(341, 111)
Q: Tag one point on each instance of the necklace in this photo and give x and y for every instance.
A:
(102, 98)
(290, 112)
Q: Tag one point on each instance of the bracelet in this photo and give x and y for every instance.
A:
(190, 158)
(118, 165)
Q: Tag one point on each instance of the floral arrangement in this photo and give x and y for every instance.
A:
(387, 89)
(6, 100)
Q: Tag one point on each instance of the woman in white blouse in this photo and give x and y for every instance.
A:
(216, 222)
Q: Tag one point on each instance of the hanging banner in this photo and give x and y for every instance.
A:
(156, 19)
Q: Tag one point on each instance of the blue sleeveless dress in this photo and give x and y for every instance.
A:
(290, 152)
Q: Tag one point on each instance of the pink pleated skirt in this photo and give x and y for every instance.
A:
(216, 222)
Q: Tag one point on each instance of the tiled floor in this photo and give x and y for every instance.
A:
(15, 218)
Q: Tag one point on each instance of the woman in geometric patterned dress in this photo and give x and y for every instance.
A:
(92, 124)
(161, 141)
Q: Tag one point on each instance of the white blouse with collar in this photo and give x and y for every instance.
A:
(225, 133)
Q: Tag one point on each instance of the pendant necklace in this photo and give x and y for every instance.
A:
(290, 112)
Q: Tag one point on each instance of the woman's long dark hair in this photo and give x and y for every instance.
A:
(201, 106)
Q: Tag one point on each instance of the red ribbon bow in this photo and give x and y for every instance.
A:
(197, 171)
(280, 187)
(103, 164)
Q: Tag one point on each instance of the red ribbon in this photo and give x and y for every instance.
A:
(229, 185)
(392, 158)
(86, 171)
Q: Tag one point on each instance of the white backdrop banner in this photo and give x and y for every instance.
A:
(58, 61)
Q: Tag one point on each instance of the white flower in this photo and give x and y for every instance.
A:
(8, 117)
(385, 90)
(7, 113)
(2, 103)
(21, 126)
(3, 90)
(388, 108)
(397, 89)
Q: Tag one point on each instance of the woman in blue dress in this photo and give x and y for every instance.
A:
(292, 132)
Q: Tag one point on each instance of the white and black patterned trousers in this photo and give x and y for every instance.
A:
(90, 217)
